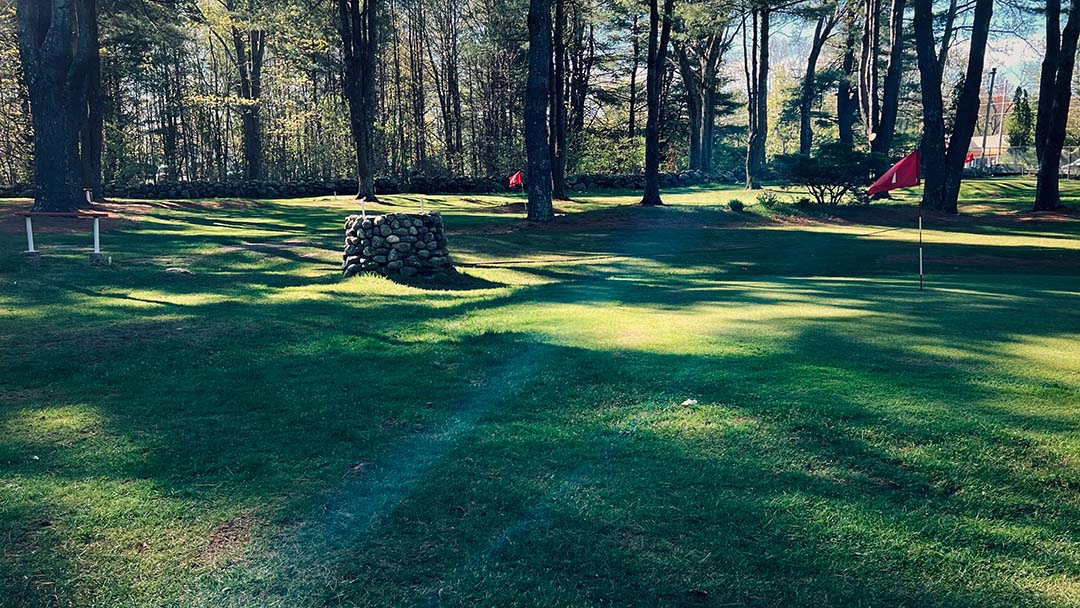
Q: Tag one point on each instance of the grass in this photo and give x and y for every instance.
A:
(759, 409)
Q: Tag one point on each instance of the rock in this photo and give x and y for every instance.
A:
(396, 244)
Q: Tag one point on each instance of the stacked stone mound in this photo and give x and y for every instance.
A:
(402, 244)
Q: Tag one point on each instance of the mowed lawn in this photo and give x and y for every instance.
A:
(680, 406)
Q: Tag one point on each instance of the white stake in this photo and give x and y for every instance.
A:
(29, 235)
(97, 237)
(920, 248)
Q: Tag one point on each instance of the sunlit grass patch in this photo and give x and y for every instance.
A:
(676, 406)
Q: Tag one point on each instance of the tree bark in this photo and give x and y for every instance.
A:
(91, 136)
(845, 92)
(692, 85)
(55, 49)
(758, 87)
(869, 97)
(635, 53)
(822, 32)
(359, 36)
(1061, 55)
(558, 105)
(943, 167)
(881, 141)
(537, 90)
(659, 34)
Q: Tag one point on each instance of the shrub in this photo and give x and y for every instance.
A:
(736, 205)
(832, 174)
(803, 202)
(768, 200)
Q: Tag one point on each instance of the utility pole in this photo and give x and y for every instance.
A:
(986, 119)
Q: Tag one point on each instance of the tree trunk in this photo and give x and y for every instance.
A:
(91, 136)
(1058, 90)
(537, 89)
(758, 79)
(869, 99)
(1048, 74)
(636, 52)
(932, 150)
(845, 93)
(558, 105)
(693, 104)
(55, 55)
(967, 110)
(822, 31)
(943, 167)
(659, 34)
(881, 141)
(359, 37)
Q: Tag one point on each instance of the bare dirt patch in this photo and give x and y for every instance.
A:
(226, 541)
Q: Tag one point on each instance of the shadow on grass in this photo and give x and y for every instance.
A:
(423, 449)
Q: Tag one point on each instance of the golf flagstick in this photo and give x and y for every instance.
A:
(920, 247)
(903, 174)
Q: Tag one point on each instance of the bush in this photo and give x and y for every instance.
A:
(768, 200)
(736, 205)
(832, 174)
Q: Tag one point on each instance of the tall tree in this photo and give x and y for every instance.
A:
(1020, 125)
(705, 35)
(56, 51)
(757, 89)
(879, 100)
(943, 165)
(91, 136)
(826, 17)
(537, 90)
(846, 101)
(245, 46)
(659, 35)
(358, 28)
(1055, 89)
(558, 104)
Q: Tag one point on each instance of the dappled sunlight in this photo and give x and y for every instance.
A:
(766, 414)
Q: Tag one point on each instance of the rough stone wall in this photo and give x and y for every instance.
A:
(403, 244)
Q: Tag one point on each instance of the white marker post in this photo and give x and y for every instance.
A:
(29, 235)
(97, 235)
(920, 247)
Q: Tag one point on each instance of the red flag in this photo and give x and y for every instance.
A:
(903, 174)
(515, 180)
(970, 157)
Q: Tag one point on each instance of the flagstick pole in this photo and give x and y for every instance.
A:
(920, 247)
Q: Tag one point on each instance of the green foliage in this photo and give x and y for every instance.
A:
(767, 199)
(1020, 125)
(830, 175)
(610, 153)
(736, 205)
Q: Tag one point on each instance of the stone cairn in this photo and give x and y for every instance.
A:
(400, 244)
